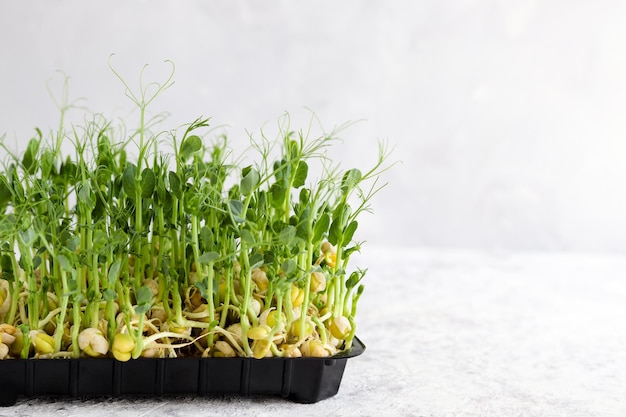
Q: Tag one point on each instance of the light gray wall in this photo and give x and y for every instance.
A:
(508, 115)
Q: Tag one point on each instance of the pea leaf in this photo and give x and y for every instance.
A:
(288, 267)
(208, 257)
(148, 182)
(350, 179)
(305, 196)
(334, 234)
(143, 296)
(28, 236)
(114, 272)
(100, 239)
(64, 263)
(256, 260)
(202, 287)
(191, 202)
(129, 181)
(268, 257)
(16, 184)
(5, 191)
(36, 262)
(6, 264)
(277, 193)
(175, 184)
(29, 161)
(236, 210)
(249, 182)
(142, 308)
(321, 227)
(349, 232)
(247, 236)
(73, 243)
(109, 295)
(68, 170)
(7, 224)
(119, 238)
(206, 239)
(190, 146)
(301, 173)
(72, 286)
(287, 235)
(85, 195)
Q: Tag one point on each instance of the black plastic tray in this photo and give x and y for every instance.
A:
(303, 380)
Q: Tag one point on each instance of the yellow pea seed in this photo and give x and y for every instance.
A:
(318, 281)
(5, 296)
(291, 351)
(260, 279)
(297, 296)
(92, 342)
(271, 317)
(255, 305)
(295, 329)
(259, 332)
(43, 342)
(261, 348)
(4, 351)
(174, 328)
(7, 333)
(122, 347)
(340, 327)
(17, 346)
(158, 312)
(121, 356)
(7, 339)
(331, 259)
(315, 349)
(326, 247)
(7, 328)
(194, 298)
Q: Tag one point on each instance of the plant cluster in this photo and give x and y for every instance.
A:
(177, 251)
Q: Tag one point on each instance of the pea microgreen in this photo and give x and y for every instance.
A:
(157, 243)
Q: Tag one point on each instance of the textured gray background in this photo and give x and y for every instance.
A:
(509, 119)
(508, 116)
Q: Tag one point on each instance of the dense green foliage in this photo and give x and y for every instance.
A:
(160, 245)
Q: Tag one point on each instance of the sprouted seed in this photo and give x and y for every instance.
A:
(144, 244)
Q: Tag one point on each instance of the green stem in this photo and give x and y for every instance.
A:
(32, 285)
(58, 334)
(339, 278)
(177, 304)
(305, 264)
(15, 283)
(76, 327)
(139, 337)
(139, 263)
(246, 276)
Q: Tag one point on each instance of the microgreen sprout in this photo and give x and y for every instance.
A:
(157, 244)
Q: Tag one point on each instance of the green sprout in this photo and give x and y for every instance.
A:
(157, 244)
